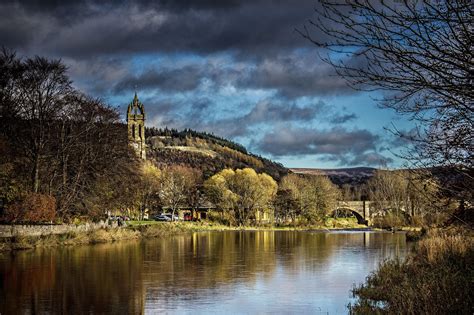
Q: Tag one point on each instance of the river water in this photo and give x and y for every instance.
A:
(208, 272)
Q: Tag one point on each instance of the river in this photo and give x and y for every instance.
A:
(207, 272)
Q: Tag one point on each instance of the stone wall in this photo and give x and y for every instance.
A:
(39, 230)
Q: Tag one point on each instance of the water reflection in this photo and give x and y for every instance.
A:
(223, 272)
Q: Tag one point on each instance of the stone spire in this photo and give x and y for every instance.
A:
(136, 126)
(135, 108)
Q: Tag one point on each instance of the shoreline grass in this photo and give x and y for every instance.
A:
(436, 278)
(153, 229)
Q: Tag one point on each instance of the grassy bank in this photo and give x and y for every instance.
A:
(436, 278)
(150, 229)
(135, 230)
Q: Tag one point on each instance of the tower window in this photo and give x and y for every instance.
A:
(133, 131)
(140, 131)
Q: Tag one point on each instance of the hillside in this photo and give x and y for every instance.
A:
(205, 151)
(355, 176)
(211, 153)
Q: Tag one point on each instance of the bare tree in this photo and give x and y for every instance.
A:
(346, 192)
(420, 56)
(177, 182)
(35, 90)
(406, 194)
(60, 142)
(11, 69)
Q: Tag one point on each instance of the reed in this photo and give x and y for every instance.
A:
(436, 278)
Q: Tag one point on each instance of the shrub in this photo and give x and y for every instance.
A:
(413, 236)
(33, 208)
(388, 220)
(437, 278)
(221, 218)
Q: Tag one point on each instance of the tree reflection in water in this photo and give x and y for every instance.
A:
(215, 271)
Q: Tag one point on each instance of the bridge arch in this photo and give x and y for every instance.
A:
(359, 217)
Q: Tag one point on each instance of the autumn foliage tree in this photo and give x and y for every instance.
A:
(241, 193)
(32, 208)
(148, 187)
(315, 196)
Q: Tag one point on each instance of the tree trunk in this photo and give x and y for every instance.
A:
(36, 166)
(173, 211)
(64, 170)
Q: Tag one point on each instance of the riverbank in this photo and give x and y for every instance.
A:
(101, 235)
(146, 230)
(436, 278)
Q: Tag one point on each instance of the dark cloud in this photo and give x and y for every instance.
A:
(302, 141)
(163, 109)
(345, 147)
(173, 113)
(85, 7)
(83, 29)
(294, 75)
(200, 114)
(15, 31)
(258, 33)
(264, 113)
(184, 5)
(178, 80)
(99, 75)
(291, 77)
(369, 159)
(277, 111)
(203, 114)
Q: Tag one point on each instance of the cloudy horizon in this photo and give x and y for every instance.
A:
(240, 71)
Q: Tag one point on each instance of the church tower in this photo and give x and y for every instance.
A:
(136, 126)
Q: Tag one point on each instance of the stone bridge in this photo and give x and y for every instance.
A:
(360, 209)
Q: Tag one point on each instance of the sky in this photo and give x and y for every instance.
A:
(237, 69)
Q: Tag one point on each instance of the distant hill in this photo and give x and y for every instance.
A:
(211, 154)
(353, 176)
(205, 151)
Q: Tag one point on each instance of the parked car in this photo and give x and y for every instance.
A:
(162, 217)
(172, 217)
